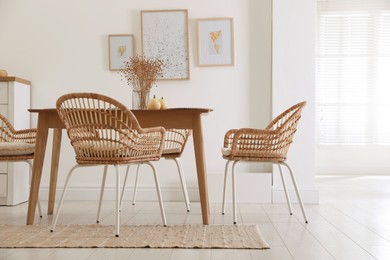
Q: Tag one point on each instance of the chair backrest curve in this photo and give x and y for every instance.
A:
(286, 125)
(103, 130)
(289, 114)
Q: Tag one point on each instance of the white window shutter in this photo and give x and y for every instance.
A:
(353, 72)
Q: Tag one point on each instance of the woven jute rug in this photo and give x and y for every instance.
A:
(102, 236)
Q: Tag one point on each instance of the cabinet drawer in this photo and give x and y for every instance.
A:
(3, 167)
(3, 185)
(3, 93)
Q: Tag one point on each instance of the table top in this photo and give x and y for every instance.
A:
(195, 109)
(168, 118)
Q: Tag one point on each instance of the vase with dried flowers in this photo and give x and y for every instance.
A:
(141, 72)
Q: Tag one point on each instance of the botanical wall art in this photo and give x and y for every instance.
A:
(215, 42)
(165, 37)
(120, 49)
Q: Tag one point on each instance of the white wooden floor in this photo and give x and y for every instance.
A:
(352, 221)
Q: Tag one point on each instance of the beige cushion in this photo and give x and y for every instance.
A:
(12, 148)
(93, 148)
(226, 151)
(171, 150)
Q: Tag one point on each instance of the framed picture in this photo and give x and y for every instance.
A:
(165, 36)
(215, 42)
(120, 49)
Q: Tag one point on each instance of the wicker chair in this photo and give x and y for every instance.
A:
(103, 131)
(269, 145)
(17, 146)
(175, 141)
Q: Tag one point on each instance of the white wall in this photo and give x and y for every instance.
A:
(293, 80)
(61, 46)
(355, 160)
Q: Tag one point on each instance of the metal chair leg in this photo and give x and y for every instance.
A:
(224, 187)
(118, 221)
(297, 192)
(136, 184)
(124, 184)
(183, 182)
(285, 190)
(102, 193)
(158, 193)
(54, 223)
(234, 192)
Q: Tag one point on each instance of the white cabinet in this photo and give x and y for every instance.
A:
(14, 102)
(3, 185)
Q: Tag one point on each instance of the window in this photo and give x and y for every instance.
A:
(353, 72)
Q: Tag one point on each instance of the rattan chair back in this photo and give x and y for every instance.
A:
(285, 125)
(269, 144)
(104, 131)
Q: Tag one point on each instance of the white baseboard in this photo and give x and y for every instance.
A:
(251, 188)
(144, 193)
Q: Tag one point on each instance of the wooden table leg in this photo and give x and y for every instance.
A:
(201, 167)
(57, 136)
(39, 156)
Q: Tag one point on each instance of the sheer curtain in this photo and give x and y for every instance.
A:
(353, 72)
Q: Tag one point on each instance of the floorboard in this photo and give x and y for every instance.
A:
(352, 221)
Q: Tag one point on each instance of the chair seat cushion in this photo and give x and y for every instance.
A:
(260, 157)
(16, 148)
(103, 149)
(226, 151)
(97, 148)
(171, 150)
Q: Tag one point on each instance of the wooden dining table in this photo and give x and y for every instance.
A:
(180, 118)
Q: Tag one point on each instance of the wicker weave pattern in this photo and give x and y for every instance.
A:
(104, 131)
(9, 134)
(176, 138)
(271, 143)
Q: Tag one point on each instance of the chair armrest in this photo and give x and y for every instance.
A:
(25, 135)
(229, 136)
(152, 130)
(147, 141)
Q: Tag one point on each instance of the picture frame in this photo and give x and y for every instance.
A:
(215, 42)
(165, 37)
(120, 49)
